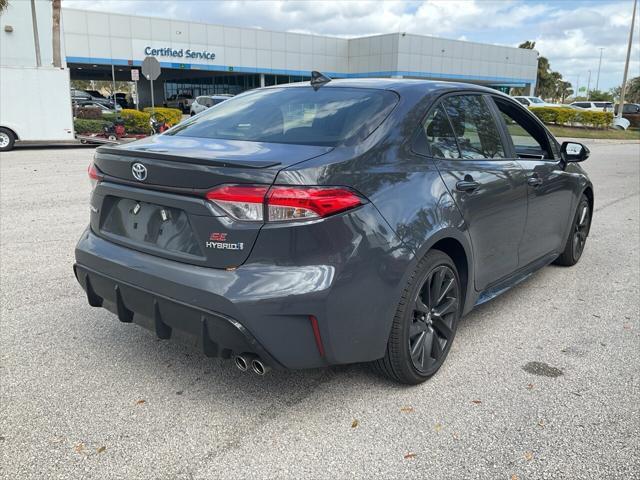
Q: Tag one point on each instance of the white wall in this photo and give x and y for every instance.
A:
(94, 35)
(112, 36)
(18, 48)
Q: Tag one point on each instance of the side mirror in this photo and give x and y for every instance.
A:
(574, 152)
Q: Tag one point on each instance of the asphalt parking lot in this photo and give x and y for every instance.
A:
(84, 396)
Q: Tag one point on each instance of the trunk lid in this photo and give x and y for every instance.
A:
(164, 212)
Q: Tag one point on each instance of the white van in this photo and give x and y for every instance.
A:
(42, 116)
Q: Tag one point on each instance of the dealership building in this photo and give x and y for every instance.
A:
(200, 59)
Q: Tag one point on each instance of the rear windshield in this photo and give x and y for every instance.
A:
(297, 115)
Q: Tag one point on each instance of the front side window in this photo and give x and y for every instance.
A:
(536, 100)
(529, 139)
(295, 115)
(475, 129)
(440, 137)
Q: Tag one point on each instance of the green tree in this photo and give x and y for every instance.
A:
(632, 95)
(549, 84)
(3, 5)
(565, 90)
(600, 96)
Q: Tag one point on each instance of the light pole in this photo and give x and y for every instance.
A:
(626, 65)
(588, 84)
(599, 65)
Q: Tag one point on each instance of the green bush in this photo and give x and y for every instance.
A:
(135, 121)
(170, 116)
(568, 116)
(83, 125)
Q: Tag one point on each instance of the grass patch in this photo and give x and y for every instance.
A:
(608, 134)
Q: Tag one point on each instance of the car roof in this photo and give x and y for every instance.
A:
(399, 85)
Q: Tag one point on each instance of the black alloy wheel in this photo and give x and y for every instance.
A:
(434, 313)
(425, 322)
(578, 235)
(581, 230)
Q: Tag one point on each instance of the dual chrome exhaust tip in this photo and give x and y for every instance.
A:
(246, 361)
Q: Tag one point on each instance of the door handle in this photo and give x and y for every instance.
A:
(534, 181)
(467, 185)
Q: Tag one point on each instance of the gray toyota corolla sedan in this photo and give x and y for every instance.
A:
(335, 222)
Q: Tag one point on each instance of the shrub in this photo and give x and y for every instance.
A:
(568, 116)
(135, 121)
(170, 116)
(83, 125)
(109, 117)
(87, 112)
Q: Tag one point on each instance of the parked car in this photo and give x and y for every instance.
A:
(535, 102)
(92, 104)
(106, 109)
(83, 95)
(181, 101)
(121, 99)
(96, 94)
(299, 227)
(80, 95)
(200, 104)
(630, 111)
(594, 106)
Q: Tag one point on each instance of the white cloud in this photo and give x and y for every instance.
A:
(568, 33)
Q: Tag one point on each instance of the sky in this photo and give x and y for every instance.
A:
(570, 33)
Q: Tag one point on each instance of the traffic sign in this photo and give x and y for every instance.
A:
(135, 74)
(151, 68)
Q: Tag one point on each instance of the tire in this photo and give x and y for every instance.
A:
(577, 238)
(7, 139)
(420, 328)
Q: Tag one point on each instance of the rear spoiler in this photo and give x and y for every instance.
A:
(161, 155)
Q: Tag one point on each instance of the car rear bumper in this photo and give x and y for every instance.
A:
(257, 308)
(218, 335)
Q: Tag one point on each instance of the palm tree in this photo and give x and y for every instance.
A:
(57, 60)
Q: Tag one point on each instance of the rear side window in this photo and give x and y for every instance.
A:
(296, 115)
(475, 129)
(523, 101)
(437, 129)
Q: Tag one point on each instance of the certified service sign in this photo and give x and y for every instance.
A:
(180, 53)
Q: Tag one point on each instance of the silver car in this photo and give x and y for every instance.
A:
(203, 102)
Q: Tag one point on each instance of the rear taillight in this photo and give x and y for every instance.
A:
(296, 203)
(94, 175)
(242, 202)
(282, 204)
